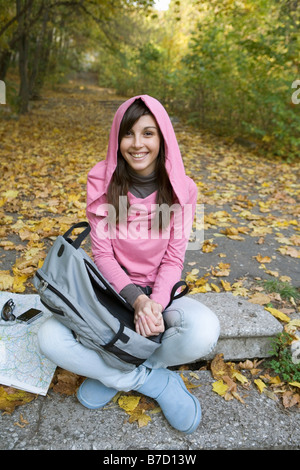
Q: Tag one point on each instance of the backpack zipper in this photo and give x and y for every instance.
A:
(52, 309)
(45, 285)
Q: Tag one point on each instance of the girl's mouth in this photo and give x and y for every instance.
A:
(138, 156)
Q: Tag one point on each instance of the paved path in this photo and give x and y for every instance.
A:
(61, 423)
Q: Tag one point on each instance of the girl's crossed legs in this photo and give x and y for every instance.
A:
(192, 332)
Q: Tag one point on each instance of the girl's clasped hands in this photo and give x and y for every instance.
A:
(148, 317)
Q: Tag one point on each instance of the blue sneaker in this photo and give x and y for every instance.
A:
(94, 395)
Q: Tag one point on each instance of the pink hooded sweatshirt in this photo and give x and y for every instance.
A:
(139, 257)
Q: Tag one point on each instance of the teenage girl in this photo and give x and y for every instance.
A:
(140, 250)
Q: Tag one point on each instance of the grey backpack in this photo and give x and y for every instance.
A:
(71, 286)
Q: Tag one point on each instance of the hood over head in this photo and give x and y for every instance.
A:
(100, 176)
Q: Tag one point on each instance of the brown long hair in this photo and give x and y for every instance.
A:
(121, 180)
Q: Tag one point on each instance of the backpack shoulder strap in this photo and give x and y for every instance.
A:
(180, 294)
(76, 243)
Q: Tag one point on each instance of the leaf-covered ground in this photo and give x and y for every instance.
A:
(251, 205)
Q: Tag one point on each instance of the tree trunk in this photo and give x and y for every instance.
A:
(45, 59)
(38, 67)
(4, 63)
(23, 59)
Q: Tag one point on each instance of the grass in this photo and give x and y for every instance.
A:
(282, 362)
(286, 290)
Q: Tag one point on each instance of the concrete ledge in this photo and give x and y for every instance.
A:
(246, 328)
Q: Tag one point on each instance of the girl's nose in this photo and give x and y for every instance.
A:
(137, 143)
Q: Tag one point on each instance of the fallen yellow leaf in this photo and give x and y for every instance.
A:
(259, 298)
(275, 380)
(219, 368)
(18, 285)
(193, 374)
(10, 194)
(285, 279)
(226, 285)
(260, 384)
(128, 402)
(276, 313)
(219, 387)
(6, 280)
(192, 276)
(141, 417)
(208, 246)
(201, 289)
(290, 251)
(237, 396)
(189, 385)
(10, 398)
(295, 384)
(240, 377)
(272, 273)
(215, 288)
(263, 259)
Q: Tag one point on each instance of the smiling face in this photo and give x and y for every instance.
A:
(140, 145)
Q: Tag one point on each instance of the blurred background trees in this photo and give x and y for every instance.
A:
(224, 65)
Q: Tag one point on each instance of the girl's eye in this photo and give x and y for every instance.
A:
(145, 133)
